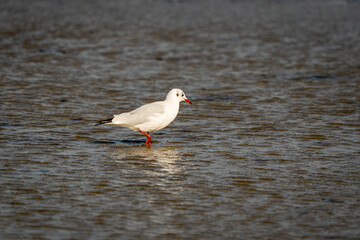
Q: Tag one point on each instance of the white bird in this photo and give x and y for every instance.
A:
(150, 117)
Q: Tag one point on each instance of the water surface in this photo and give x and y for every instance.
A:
(269, 149)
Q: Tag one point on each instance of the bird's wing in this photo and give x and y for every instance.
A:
(141, 114)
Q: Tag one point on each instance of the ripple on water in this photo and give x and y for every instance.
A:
(269, 148)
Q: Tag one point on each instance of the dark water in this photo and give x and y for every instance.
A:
(268, 150)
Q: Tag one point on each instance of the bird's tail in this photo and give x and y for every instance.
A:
(105, 121)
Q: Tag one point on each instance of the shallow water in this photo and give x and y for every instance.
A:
(268, 150)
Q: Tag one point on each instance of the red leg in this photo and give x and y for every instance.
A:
(148, 141)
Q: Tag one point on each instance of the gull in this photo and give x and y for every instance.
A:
(150, 117)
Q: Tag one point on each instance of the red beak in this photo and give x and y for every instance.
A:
(187, 100)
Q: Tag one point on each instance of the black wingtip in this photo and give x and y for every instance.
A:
(104, 121)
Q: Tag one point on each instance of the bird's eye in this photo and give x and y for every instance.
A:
(177, 94)
(182, 95)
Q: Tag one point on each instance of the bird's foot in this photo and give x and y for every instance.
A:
(148, 141)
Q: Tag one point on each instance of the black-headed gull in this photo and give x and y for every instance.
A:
(150, 117)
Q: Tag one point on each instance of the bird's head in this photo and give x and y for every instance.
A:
(177, 94)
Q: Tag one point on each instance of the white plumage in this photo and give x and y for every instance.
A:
(150, 117)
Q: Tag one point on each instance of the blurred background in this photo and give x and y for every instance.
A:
(269, 149)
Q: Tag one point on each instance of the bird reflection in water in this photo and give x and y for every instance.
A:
(160, 161)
